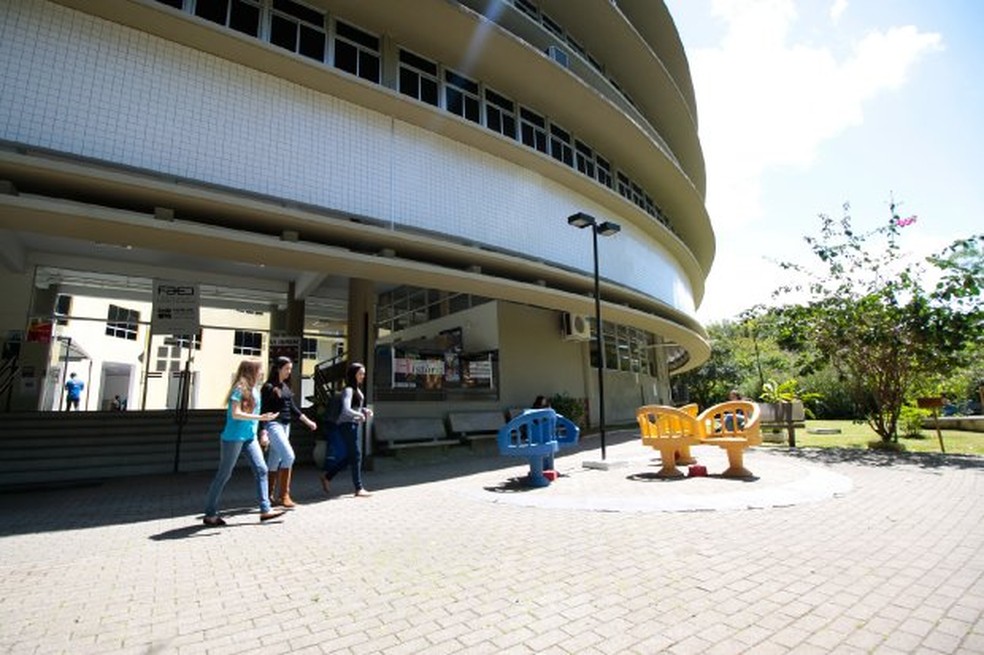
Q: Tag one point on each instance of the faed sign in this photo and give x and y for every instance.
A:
(177, 307)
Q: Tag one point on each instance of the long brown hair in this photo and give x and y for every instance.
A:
(247, 375)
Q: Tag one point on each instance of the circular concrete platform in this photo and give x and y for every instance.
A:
(629, 483)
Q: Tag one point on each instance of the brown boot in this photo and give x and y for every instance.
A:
(272, 487)
(286, 501)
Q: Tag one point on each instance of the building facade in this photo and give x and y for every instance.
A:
(393, 175)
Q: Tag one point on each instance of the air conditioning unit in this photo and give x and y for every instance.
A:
(576, 327)
(558, 56)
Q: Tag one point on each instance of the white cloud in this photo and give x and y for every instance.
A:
(837, 9)
(768, 99)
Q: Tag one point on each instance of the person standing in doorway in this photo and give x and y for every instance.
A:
(278, 397)
(73, 392)
(353, 413)
(239, 434)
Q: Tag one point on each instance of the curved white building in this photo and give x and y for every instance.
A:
(383, 172)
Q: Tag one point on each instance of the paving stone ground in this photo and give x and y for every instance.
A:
(827, 551)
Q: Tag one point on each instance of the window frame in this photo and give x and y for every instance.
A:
(300, 24)
(242, 343)
(469, 92)
(406, 64)
(122, 322)
(366, 47)
(496, 109)
(232, 14)
(561, 145)
(537, 129)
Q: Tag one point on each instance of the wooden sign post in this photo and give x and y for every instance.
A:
(934, 403)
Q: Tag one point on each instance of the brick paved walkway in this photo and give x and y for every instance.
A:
(827, 552)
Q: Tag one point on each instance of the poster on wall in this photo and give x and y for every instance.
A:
(412, 371)
(478, 373)
(452, 357)
(176, 308)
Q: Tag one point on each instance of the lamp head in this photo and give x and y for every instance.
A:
(608, 228)
(580, 220)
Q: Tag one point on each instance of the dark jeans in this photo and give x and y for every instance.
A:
(343, 450)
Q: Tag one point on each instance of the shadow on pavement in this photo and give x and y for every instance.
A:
(883, 458)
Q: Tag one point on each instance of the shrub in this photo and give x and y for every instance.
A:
(888, 446)
(911, 421)
(568, 406)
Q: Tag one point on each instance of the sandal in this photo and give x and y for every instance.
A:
(213, 521)
(326, 484)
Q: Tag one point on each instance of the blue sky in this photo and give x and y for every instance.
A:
(804, 105)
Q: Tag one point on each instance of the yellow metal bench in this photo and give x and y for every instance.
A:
(733, 425)
(670, 431)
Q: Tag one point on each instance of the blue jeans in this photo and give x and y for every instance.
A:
(281, 454)
(343, 450)
(228, 454)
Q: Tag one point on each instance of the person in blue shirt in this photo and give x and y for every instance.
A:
(73, 392)
(239, 434)
(729, 418)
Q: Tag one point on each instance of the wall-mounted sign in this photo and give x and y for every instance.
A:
(177, 307)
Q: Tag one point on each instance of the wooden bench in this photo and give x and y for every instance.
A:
(394, 433)
(775, 421)
(469, 427)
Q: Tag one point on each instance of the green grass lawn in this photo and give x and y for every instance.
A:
(857, 435)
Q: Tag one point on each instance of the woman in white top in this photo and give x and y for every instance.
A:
(353, 414)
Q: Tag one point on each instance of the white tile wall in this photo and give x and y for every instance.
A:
(93, 88)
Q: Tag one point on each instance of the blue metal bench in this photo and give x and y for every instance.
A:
(537, 434)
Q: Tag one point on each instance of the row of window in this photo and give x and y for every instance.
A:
(404, 307)
(534, 13)
(627, 349)
(308, 32)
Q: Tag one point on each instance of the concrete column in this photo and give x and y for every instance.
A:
(294, 327)
(361, 333)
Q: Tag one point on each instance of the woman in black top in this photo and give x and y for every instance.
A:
(276, 396)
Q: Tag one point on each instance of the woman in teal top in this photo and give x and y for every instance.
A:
(239, 434)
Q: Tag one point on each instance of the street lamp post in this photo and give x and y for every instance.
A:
(605, 229)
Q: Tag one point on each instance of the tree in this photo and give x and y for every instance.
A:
(870, 318)
(711, 382)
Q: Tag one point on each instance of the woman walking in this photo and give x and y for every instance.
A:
(277, 397)
(353, 413)
(239, 434)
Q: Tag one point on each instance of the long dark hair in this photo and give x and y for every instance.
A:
(350, 373)
(351, 381)
(274, 377)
